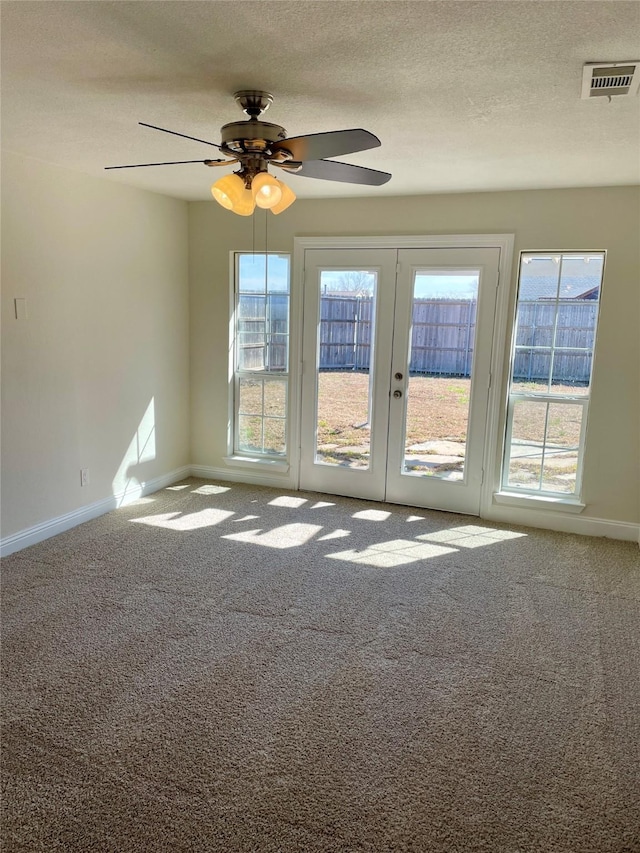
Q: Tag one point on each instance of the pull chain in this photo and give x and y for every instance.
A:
(266, 250)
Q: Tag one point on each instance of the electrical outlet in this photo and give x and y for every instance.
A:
(84, 476)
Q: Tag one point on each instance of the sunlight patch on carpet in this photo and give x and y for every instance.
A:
(193, 521)
(471, 536)
(210, 489)
(396, 552)
(372, 515)
(288, 501)
(286, 536)
(335, 534)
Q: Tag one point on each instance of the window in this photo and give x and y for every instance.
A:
(261, 354)
(550, 378)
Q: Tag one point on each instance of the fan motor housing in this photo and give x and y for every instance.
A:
(250, 136)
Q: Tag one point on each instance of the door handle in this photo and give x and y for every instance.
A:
(397, 393)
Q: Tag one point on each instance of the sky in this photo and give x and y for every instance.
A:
(446, 287)
(252, 273)
(434, 285)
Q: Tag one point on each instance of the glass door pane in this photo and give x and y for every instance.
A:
(347, 308)
(440, 362)
(444, 316)
(347, 339)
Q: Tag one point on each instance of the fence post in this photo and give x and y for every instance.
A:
(356, 332)
(467, 365)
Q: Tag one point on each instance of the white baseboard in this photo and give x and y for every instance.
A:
(565, 523)
(239, 475)
(580, 524)
(545, 520)
(39, 532)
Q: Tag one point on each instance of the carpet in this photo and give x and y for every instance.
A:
(225, 667)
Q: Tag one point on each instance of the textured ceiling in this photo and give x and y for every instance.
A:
(463, 95)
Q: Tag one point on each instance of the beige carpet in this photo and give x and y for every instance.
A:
(231, 668)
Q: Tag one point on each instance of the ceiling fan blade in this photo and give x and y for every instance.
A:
(334, 143)
(168, 163)
(332, 170)
(175, 133)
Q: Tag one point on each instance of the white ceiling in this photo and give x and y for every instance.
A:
(463, 95)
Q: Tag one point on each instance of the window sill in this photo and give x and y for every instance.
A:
(262, 462)
(558, 504)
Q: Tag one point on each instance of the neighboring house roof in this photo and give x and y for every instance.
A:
(571, 287)
(594, 293)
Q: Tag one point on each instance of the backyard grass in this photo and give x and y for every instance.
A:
(437, 411)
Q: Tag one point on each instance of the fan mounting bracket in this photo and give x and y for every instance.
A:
(253, 102)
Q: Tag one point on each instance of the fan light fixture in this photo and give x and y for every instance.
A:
(241, 192)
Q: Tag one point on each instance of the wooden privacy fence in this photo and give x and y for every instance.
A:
(441, 340)
(442, 336)
(572, 344)
(263, 331)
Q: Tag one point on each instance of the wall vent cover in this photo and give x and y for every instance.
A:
(613, 79)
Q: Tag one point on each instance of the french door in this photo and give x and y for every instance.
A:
(396, 373)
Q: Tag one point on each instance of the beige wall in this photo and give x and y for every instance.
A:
(584, 219)
(97, 376)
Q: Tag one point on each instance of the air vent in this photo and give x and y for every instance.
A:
(613, 79)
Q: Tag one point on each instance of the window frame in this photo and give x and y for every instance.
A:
(509, 493)
(249, 457)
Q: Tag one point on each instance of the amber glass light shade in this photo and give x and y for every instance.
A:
(245, 204)
(228, 190)
(266, 190)
(288, 197)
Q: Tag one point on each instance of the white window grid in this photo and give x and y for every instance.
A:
(264, 419)
(261, 374)
(549, 397)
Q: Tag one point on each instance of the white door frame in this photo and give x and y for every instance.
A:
(369, 481)
(494, 438)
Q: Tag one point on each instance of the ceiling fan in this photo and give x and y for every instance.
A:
(256, 145)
